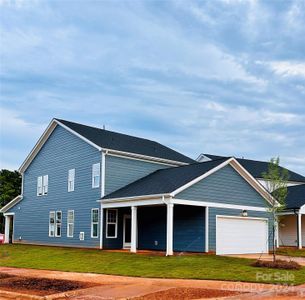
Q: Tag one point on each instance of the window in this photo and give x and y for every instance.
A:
(70, 223)
(71, 176)
(45, 184)
(51, 223)
(94, 223)
(39, 186)
(42, 185)
(112, 223)
(96, 170)
(58, 224)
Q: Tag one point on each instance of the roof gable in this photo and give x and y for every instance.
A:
(111, 141)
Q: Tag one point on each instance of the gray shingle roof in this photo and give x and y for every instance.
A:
(165, 181)
(256, 168)
(122, 142)
(295, 197)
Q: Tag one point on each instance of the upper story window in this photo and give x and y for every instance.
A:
(42, 185)
(71, 177)
(96, 174)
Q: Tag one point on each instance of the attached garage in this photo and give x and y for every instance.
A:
(241, 235)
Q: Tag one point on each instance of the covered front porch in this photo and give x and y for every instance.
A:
(163, 226)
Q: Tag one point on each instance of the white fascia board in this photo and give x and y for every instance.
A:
(38, 146)
(302, 209)
(134, 203)
(79, 135)
(189, 184)
(253, 182)
(144, 157)
(142, 197)
(218, 205)
(11, 204)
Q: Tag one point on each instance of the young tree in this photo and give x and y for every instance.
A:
(10, 187)
(276, 179)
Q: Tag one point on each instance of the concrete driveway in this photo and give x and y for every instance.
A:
(123, 287)
(269, 257)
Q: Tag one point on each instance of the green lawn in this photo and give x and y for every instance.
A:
(291, 252)
(97, 261)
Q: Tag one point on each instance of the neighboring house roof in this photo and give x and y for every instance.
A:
(165, 181)
(122, 142)
(171, 181)
(256, 168)
(295, 197)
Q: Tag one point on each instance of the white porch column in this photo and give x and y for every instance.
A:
(169, 229)
(300, 230)
(101, 227)
(134, 229)
(7, 229)
(207, 229)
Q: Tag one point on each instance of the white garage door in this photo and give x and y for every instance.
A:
(240, 235)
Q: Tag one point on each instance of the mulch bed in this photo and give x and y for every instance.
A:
(39, 286)
(278, 264)
(186, 293)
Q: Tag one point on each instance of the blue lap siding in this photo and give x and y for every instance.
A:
(122, 171)
(61, 152)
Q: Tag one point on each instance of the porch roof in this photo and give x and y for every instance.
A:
(165, 181)
(295, 197)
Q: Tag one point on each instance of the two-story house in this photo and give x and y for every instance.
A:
(88, 187)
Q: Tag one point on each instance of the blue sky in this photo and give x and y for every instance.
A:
(223, 77)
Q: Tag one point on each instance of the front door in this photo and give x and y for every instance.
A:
(127, 232)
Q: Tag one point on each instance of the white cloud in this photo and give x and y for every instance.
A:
(287, 68)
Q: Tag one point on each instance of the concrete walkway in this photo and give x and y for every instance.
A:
(123, 287)
(269, 257)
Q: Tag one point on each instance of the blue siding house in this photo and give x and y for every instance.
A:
(88, 187)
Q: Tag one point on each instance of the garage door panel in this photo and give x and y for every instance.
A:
(241, 235)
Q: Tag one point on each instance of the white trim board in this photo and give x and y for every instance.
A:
(11, 204)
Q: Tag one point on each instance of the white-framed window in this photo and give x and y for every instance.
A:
(111, 223)
(39, 185)
(71, 177)
(70, 223)
(42, 185)
(58, 223)
(94, 222)
(51, 223)
(45, 184)
(96, 174)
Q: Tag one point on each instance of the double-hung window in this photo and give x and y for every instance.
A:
(96, 173)
(70, 223)
(94, 222)
(58, 224)
(111, 223)
(42, 185)
(39, 185)
(51, 223)
(71, 177)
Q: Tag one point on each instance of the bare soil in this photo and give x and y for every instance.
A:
(186, 293)
(39, 286)
(278, 264)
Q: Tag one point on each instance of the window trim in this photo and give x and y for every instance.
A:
(99, 175)
(52, 211)
(45, 191)
(68, 223)
(115, 223)
(93, 223)
(39, 185)
(58, 223)
(73, 180)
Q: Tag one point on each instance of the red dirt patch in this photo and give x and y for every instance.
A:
(39, 286)
(186, 293)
